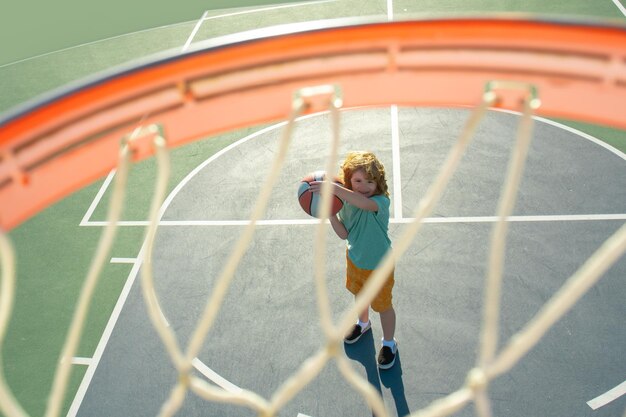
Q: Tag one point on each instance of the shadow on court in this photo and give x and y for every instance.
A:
(364, 352)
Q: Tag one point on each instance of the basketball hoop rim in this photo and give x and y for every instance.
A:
(255, 35)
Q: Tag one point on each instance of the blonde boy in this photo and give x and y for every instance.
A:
(363, 222)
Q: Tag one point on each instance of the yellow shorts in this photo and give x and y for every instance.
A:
(356, 278)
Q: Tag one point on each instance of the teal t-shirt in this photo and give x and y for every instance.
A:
(368, 239)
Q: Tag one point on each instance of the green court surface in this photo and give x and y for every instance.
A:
(53, 249)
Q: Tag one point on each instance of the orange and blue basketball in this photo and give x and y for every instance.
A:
(311, 202)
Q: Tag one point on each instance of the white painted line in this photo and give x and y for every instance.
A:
(123, 223)
(520, 219)
(123, 260)
(390, 10)
(81, 361)
(584, 135)
(106, 335)
(620, 7)
(571, 130)
(144, 223)
(200, 167)
(194, 31)
(295, 222)
(263, 9)
(395, 154)
(608, 396)
(287, 222)
(215, 377)
(302, 415)
(97, 199)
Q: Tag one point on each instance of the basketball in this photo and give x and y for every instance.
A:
(311, 202)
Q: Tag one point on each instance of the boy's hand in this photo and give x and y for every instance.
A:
(345, 194)
(316, 187)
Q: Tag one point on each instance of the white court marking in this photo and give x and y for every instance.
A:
(404, 220)
(106, 335)
(123, 260)
(194, 31)
(608, 396)
(81, 361)
(395, 152)
(108, 330)
(215, 377)
(263, 9)
(96, 200)
(620, 7)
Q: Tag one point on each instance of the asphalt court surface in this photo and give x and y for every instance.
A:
(268, 324)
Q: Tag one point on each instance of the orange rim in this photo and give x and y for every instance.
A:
(64, 142)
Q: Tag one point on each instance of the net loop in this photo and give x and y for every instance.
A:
(319, 97)
(501, 90)
(144, 140)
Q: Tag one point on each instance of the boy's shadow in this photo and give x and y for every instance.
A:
(364, 352)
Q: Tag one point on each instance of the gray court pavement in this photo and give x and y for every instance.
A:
(268, 324)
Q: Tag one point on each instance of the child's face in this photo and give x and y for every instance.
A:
(362, 184)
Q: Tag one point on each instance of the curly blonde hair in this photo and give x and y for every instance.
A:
(370, 164)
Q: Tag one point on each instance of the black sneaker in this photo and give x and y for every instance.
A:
(387, 356)
(356, 333)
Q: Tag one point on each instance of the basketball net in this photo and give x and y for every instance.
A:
(490, 363)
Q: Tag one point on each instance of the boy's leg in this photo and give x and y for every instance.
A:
(355, 278)
(383, 305)
(359, 328)
(364, 317)
(388, 323)
(388, 352)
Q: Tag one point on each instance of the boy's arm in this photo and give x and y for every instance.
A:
(350, 196)
(339, 227)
